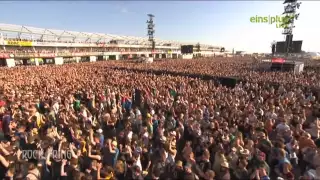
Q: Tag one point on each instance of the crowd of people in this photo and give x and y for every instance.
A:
(91, 121)
(239, 67)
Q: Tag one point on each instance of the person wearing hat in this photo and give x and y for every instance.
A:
(224, 173)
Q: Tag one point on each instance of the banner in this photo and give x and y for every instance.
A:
(47, 55)
(18, 43)
(4, 55)
(26, 55)
(60, 44)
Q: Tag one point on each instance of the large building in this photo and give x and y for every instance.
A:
(30, 45)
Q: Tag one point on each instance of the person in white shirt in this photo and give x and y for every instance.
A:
(314, 173)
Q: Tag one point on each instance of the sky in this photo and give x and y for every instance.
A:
(222, 23)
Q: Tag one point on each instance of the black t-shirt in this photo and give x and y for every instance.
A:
(94, 174)
(22, 141)
(109, 131)
(188, 136)
(5, 124)
(56, 169)
(67, 134)
(46, 172)
(3, 171)
(70, 173)
(145, 158)
(85, 163)
(129, 174)
(42, 109)
(30, 126)
(107, 157)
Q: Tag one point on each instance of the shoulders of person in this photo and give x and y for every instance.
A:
(280, 126)
(33, 176)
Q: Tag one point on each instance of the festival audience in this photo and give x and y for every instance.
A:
(93, 121)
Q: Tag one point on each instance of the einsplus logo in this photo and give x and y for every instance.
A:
(280, 21)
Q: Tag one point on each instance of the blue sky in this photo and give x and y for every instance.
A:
(225, 23)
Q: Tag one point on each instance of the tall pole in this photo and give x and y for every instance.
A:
(198, 50)
(290, 14)
(151, 32)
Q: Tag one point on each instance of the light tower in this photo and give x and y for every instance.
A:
(290, 15)
(151, 31)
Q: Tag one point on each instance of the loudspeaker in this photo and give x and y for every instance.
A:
(288, 46)
(296, 46)
(273, 49)
(281, 47)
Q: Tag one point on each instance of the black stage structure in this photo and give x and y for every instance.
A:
(283, 48)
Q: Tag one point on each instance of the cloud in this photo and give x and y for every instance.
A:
(124, 10)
